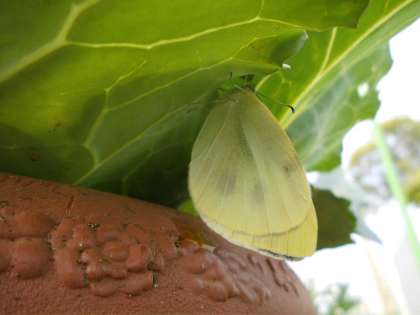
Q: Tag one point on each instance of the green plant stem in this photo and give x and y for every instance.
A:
(396, 189)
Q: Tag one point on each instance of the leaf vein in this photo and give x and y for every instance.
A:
(57, 42)
(288, 119)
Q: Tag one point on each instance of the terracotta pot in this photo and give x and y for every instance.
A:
(70, 250)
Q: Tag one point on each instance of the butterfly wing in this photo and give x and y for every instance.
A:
(296, 243)
(245, 179)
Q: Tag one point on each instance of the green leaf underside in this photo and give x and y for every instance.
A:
(335, 221)
(117, 90)
(332, 81)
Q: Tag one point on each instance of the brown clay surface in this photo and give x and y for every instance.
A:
(69, 250)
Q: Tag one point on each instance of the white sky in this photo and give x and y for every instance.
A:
(400, 96)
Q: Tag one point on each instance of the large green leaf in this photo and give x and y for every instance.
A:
(332, 81)
(110, 94)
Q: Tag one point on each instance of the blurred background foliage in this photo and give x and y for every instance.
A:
(402, 137)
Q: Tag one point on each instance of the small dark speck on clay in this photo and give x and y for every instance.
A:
(93, 226)
(4, 203)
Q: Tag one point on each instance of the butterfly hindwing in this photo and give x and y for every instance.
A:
(246, 181)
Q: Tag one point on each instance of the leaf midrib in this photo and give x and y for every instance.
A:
(60, 40)
(57, 42)
(288, 119)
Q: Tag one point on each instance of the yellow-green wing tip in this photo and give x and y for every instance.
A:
(292, 245)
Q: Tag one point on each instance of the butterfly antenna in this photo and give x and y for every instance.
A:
(259, 94)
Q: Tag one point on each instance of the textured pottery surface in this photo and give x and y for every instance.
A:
(69, 250)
